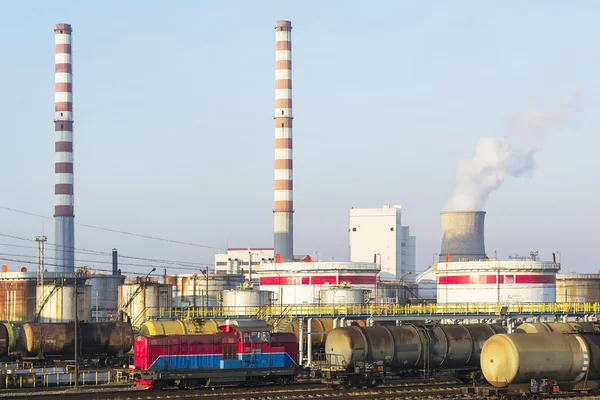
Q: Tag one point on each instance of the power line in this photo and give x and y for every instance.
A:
(103, 253)
(118, 231)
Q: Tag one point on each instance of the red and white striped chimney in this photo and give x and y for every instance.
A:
(283, 206)
(63, 148)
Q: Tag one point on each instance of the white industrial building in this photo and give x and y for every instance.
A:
(238, 259)
(378, 234)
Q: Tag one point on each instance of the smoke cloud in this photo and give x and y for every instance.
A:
(495, 159)
(479, 176)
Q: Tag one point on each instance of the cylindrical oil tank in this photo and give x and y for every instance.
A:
(105, 296)
(57, 301)
(141, 301)
(106, 338)
(11, 331)
(320, 327)
(51, 339)
(189, 290)
(577, 288)
(337, 295)
(4, 340)
(245, 301)
(180, 327)
(17, 299)
(409, 346)
(460, 345)
(42, 338)
(539, 327)
(514, 359)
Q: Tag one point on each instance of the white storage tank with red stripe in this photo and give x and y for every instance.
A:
(495, 281)
(301, 282)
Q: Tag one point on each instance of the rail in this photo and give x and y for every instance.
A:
(271, 312)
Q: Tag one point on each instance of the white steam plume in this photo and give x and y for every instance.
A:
(479, 176)
(495, 159)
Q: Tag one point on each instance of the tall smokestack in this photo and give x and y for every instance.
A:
(283, 207)
(63, 167)
(462, 235)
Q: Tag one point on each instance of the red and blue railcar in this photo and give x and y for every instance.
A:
(243, 352)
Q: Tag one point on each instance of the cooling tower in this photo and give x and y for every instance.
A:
(462, 235)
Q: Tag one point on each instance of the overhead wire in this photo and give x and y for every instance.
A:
(117, 230)
(178, 263)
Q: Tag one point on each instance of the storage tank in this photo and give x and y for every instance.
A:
(343, 295)
(17, 297)
(245, 301)
(105, 296)
(537, 327)
(142, 300)
(189, 290)
(524, 280)
(407, 346)
(577, 288)
(180, 327)
(514, 359)
(56, 301)
(55, 339)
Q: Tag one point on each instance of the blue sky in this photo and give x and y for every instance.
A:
(174, 105)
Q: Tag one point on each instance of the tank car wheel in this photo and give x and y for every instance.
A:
(371, 383)
(159, 385)
(188, 384)
(110, 362)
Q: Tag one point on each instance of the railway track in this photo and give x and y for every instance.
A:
(413, 389)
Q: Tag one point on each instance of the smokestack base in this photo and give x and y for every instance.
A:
(462, 235)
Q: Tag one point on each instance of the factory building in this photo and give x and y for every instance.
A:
(237, 260)
(64, 213)
(377, 234)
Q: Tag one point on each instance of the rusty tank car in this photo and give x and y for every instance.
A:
(359, 356)
(106, 342)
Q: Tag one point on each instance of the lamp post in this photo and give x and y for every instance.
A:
(559, 256)
(433, 259)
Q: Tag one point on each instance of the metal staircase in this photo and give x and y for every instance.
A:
(45, 300)
(282, 324)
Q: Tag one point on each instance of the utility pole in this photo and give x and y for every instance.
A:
(41, 240)
(207, 290)
(76, 338)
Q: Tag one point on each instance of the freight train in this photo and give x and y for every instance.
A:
(100, 343)
(242, 352)
(364, 356)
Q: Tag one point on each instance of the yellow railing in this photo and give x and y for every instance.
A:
(367, 310)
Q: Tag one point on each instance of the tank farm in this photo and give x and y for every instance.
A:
(280, 326)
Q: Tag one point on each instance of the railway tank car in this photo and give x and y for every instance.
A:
(358, 356)
(570, 359)
(538, 327)
(108, 342)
